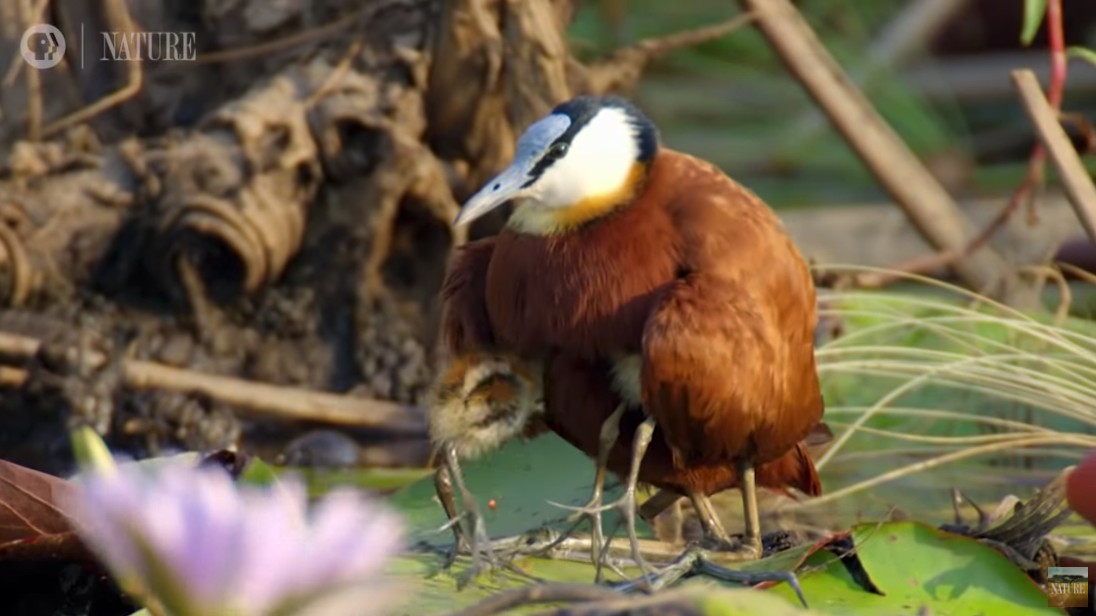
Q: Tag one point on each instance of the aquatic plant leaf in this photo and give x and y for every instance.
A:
(28, 503)
(918, 566)
(521, 478)
(1034, 13)
(32, 525)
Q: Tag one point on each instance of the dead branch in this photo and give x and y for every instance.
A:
(622, 69)
(34, 82)
(914, 189)
(1081, 274)
(118, 15)
(27, 16)
(308, 36)
(926, 264)
(1033, 176)
(1074, 176)
(902, 38)
(257, 209)
(14, 259)
(287, 403)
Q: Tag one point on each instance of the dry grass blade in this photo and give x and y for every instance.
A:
(942, 352)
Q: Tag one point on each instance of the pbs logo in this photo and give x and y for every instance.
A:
(43, 46)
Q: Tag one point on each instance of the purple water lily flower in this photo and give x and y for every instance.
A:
(201, 545)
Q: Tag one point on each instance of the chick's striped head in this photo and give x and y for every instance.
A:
(483, 400)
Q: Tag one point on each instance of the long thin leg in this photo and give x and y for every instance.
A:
(709, 520)
(443, 484)
(749, 505)
(480, 541)
(610, 431)
(627, 503)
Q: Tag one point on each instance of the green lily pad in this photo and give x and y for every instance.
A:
(915, 565)
(697, 598)
(436, 590)
(521, 478)
(918, 566)
(711, 600)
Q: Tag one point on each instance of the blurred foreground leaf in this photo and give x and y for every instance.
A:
(258, 473)
(322, 480)
(32, 523)
(1034, 13)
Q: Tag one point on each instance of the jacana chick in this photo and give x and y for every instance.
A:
(480, 402)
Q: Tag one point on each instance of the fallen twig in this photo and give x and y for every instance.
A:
(1074, 176)
(911, 185)
(284, 402)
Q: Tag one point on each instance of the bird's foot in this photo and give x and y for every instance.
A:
(461, 546)
(592, 511)
(626, 504)
(741, 547)
(484, 557)
(694, 561)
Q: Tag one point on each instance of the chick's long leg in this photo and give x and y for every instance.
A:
(480, 541)
(627, 503)
(443, 484)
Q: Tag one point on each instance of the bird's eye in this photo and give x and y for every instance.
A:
(558, 149)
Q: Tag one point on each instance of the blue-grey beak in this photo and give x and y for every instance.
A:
(499, 190)
(508, 184)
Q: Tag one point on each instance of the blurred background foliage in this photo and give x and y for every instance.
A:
(949, 97)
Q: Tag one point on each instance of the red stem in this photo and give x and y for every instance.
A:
(1037, 162)
(1057, 54)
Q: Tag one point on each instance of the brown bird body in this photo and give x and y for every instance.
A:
(660, 295)
(578, 399)
(697, 277)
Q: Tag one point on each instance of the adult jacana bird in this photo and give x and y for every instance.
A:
(653, 271)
